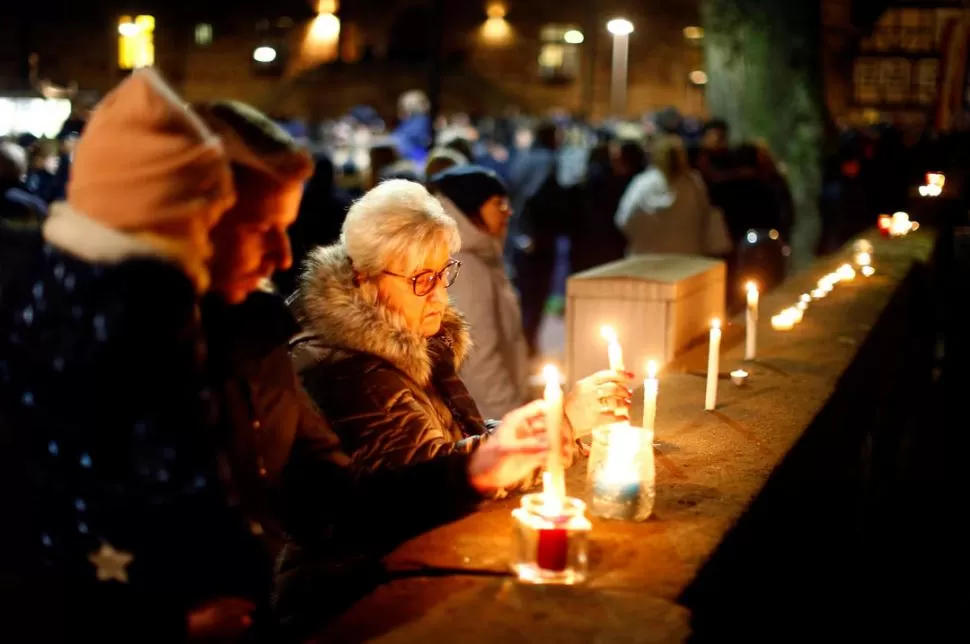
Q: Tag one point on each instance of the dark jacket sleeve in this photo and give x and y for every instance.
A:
(380, 422)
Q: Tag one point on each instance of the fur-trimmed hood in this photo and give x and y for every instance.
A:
(331, 307)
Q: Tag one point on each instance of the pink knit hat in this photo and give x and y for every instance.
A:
(147, 165)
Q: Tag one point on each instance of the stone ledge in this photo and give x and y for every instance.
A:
(710, 468)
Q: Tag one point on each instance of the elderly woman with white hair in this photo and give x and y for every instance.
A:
(383, 346)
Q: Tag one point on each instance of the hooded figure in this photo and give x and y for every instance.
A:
(497, 370)
(131, 533)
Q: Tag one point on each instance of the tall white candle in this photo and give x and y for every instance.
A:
(751, 322)
(650, 388)
(614, 351)
(554, 482)
(713, 365)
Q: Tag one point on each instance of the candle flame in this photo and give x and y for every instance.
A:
(806, 298)
(652, 369)
(608, 333)
(550, 374)
(716, 323)
(751, 286)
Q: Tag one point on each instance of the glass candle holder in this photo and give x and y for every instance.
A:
(550, 547)
(621, 475)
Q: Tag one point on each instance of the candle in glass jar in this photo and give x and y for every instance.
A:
(650, 388)
(751, 322)
(554, 482)
(614, 351)
(713, 365)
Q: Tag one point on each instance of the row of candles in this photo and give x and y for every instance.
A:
(552, 527)
(933, 186)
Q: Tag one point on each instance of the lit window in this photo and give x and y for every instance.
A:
(559, 52)
(203, 34)
(136, 42)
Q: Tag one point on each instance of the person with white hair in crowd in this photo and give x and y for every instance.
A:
(382, 344)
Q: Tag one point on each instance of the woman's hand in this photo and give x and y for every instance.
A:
(600, 399)
(222, 620)
(514, 450)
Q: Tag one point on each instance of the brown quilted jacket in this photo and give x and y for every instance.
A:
(393, 398)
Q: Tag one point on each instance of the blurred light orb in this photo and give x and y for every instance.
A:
(264, 54)
(574, 37)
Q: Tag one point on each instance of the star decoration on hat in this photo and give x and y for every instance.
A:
(111, 563)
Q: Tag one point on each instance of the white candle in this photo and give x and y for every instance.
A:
(613, 349)
(554, 482)
(751, 322)
(650, 388)
(713, 365)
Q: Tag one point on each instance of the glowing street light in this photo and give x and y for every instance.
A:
(620, 28)
(264, 54)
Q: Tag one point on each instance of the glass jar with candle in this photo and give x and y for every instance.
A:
(621, 475)
(550, 543)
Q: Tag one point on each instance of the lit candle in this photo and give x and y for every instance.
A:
(751, 322)
(868, 271)
(818, 293)
(650, 388)
(554, 482)
(613, 348)
(794, 313)
(863, 258)
(782, 322)
(846, 273)
(713, 365)
(739, 377)
(802, 306)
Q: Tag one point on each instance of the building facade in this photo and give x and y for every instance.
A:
(898, 66)
(318, 59)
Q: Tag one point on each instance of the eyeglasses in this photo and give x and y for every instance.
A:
(425, 281)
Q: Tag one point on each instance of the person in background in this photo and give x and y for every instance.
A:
(595, 237)
(132, 536)
(413, 134)
(44, 162)
(666, 210)
(497, 369)
(541, 207)
(18, 207)
(383, 155)
(440, 159)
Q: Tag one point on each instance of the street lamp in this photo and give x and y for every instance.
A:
(620, 28)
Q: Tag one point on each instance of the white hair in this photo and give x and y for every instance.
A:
(397, 223)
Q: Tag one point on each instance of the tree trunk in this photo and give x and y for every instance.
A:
(764, 78)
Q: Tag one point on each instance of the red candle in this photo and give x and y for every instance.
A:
(553, 549)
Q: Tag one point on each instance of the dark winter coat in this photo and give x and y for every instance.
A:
(393, 397)
(105, 399)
